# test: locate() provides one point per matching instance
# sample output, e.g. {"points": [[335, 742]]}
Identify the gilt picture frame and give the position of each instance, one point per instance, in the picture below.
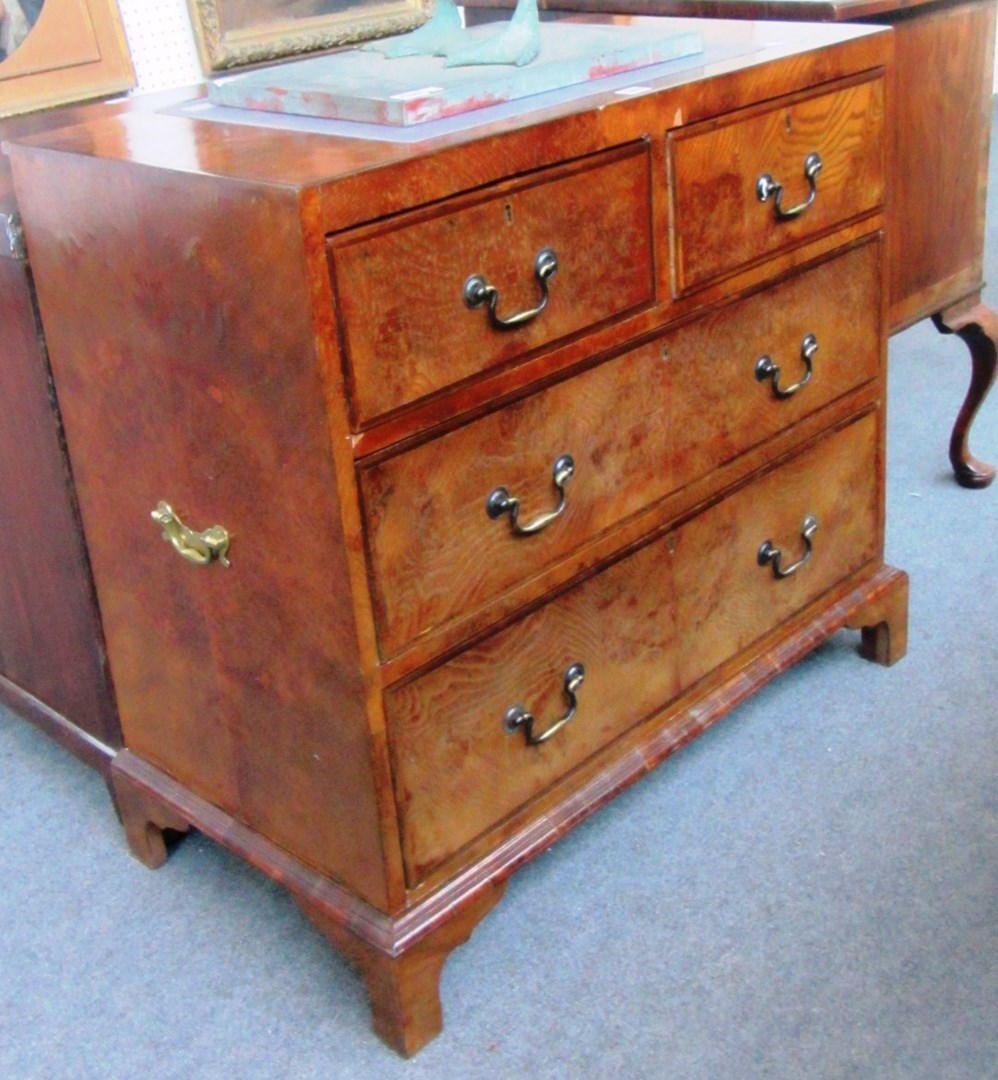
{"points": [[236, 33]]}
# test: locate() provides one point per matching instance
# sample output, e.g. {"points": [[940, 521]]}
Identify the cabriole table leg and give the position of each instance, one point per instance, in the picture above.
{"points": [[977, 327]]}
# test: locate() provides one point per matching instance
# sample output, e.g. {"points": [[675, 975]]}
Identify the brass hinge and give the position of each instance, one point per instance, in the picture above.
{"points": [[13, 237]]}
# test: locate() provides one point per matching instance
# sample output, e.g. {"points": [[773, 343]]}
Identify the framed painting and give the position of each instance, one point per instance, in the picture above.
{"points": [[234, 33], [57, 51]]}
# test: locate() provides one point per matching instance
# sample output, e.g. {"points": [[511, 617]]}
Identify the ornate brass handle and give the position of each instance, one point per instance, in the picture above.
{"points": [[197, 547], [766, 368], [478, 291], [773, 555], [766, 187], [518, 717], [501, 502]]}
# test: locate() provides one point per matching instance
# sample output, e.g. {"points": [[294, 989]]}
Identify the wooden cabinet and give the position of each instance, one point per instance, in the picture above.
{"points": [[53, 664], [477, 578], [52, 661]]}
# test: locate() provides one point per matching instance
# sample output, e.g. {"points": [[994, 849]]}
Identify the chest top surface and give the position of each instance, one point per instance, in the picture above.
{"points": [[741, 62]]}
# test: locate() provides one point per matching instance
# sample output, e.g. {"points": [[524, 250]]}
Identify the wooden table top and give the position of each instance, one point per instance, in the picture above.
{"points": [[790, 10]]}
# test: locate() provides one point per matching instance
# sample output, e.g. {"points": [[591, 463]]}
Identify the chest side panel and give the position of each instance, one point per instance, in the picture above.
{"points": [[182, 347]]}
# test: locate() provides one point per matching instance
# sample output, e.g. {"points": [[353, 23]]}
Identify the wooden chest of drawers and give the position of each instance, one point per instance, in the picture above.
{"points": [[465, 580]]}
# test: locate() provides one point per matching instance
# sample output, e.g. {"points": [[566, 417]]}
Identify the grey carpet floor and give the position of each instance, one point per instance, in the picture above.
{"points": [[808, 891]]}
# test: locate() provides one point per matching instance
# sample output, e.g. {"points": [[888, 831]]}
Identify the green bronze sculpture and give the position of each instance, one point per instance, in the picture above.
{"points": [[518, 42]]}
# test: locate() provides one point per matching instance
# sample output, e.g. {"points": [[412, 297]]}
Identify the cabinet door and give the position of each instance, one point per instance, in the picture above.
{"points": [[50, 638], [76, 50], [939, 156]]}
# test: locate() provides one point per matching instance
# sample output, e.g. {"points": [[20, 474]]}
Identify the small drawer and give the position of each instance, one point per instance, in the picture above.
{"points": [[644, 629], [410, 322], [637, 427], [720, 171]]}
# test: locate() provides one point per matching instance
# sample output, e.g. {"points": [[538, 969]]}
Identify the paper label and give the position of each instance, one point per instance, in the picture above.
{"points": [[409, 95]]}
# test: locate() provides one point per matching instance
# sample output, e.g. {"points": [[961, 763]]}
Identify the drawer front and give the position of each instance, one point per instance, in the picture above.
{"points": [[680, 406], [459, 770], [400, 287], [720, 222], [739, 378], [725, 599], [644, 629]]}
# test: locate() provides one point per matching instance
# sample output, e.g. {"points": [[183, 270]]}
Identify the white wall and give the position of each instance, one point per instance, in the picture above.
{"points": [[161, 42]]}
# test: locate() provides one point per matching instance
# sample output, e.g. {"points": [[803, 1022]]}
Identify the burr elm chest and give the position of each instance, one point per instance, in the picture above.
{"points": [[493, 466]]}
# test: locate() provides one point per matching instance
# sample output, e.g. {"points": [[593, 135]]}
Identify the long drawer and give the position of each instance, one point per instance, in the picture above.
{"points": [[408, 322], [637, 427], [643, 630], [825, 153]]}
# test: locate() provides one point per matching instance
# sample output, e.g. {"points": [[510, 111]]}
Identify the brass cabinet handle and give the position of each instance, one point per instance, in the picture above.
{"points": [[767, 368], [767, 187], [501, 502], [773, 555], [518, 717], [478, 291], [196, 547]]}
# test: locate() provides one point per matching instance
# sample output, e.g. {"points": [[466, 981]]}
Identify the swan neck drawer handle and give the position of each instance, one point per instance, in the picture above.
{"points": [[501, 502], [767, 188], [478, 291], [518, 717], [197, 547], [773, 556], [767, 368]]}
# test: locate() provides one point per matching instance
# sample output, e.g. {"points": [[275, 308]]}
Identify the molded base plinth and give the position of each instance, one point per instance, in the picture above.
{"points": [[400, 956]]}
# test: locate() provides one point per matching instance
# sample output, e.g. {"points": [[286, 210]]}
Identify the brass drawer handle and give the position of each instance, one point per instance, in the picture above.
{"points": [[767, 368], [501, 502], [773, 555], [196, 547], [518, 717], [478, 291], [766, 186]]}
